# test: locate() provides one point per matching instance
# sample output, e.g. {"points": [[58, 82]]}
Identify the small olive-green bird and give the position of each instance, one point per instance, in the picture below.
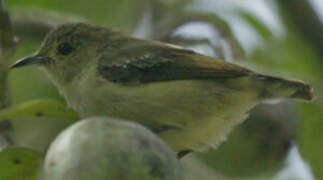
{"points": [[192, 101]]}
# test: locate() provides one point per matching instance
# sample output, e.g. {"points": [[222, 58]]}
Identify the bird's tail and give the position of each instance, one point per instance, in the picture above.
{"points": [[275, 87]]}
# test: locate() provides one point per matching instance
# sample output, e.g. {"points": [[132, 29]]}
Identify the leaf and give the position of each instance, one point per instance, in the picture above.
{"points": [[39, 108], [35, 124], [19, 163]]}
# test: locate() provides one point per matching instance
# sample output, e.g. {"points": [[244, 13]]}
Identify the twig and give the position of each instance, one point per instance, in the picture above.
{"points": [[170, 24], [7, 47]]}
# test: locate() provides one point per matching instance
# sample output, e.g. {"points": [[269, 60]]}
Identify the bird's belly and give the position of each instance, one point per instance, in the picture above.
{"points": [[202, 111]]}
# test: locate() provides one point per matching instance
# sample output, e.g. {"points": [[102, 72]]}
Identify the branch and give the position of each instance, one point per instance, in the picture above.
{"points": [[170, 24], [7, 47]]}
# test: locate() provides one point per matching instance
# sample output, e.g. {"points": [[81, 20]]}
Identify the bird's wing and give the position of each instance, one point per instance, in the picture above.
{"points": [[142, 62]]}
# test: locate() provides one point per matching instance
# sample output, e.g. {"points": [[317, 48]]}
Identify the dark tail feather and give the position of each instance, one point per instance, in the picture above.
{"points": [[276, 87]]}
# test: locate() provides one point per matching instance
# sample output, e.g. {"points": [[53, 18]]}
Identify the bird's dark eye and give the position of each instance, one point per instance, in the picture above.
{"points": [[65, 48]]}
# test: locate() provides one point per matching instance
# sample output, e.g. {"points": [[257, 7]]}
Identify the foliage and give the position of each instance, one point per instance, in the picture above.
{"points": [[310, 137], [19, 163], [35, 123]]}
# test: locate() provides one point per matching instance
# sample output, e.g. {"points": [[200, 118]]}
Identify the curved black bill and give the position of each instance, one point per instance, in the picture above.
{"points": [[29, 60]]}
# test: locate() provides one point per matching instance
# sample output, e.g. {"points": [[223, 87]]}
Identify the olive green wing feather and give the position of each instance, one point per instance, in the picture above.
{"points": [[139, 61], [149, 61]]}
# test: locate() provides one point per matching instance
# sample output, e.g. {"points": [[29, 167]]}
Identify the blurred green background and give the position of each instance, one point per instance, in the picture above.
{"points": [[273, 37]]}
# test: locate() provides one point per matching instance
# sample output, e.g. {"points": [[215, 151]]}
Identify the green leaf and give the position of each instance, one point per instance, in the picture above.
{"points": [[19, 163], [35, 124], [39, 108]]}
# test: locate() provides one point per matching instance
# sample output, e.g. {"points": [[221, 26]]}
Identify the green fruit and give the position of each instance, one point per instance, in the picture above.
{"points": [[103, 148]]}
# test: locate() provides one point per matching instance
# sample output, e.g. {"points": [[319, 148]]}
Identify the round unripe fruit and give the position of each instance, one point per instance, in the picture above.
{"points": [[106, 149]]}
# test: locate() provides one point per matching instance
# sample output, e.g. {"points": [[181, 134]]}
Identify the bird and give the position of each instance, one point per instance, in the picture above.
{"points": [[190, 100]]}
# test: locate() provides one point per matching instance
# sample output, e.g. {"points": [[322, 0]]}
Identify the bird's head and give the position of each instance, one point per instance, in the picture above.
{"points": [[68, 49]]}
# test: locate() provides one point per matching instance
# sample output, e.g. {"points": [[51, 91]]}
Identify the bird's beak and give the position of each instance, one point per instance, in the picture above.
{"points": [[29, 60]]}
